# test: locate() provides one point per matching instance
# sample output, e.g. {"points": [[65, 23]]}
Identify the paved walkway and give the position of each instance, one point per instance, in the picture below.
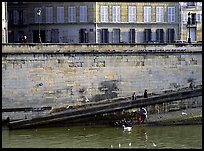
{"points": [[171, 116]]}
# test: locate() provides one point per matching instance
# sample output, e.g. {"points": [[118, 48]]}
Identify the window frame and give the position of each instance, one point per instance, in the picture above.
{"points": [[147, 14], [132, 14], [116, 14], [171, 14], [159, 14], [71, 14]]}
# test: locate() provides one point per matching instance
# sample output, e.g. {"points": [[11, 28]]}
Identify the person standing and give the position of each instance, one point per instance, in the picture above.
{"points": [[145, 93], [134, 96], [143, 114]]}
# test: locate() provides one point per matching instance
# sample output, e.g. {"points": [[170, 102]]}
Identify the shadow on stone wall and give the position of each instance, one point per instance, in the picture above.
{"points": [[108, 88]]}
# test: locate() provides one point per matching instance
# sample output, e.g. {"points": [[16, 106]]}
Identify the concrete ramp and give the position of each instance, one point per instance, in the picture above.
{"points": [[112, 105]]}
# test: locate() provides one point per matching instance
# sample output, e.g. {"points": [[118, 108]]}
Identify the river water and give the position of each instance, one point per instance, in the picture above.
{"points": [[158, 137]]}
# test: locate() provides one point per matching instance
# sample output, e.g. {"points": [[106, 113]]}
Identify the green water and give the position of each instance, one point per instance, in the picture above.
{"points": [[176, 137]]}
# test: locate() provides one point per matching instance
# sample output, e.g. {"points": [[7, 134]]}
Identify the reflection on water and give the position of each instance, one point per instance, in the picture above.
{"points": [[105, 137]]}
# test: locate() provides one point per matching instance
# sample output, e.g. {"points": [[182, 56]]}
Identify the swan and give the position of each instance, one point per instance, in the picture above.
{"points": [[183, 113], [127, 128], [86, 99], [154, 144]]}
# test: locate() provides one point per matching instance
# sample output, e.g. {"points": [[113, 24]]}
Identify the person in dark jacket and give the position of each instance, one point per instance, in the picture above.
{"points": [[134, 96], [145, 93], [143, 114]]}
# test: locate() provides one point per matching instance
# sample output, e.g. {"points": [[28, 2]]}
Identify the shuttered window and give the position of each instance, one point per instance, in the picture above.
{"points": [[171, 14], [147, 35], [159, 14], [116, 13], [147, 14], [60, 14], [83, 13], [49, 15], [170, 35], [116, 35], [160, 35], [104, 36], [104, 13], [72, 14], [132, 36], [131, 14], [38, 18]]}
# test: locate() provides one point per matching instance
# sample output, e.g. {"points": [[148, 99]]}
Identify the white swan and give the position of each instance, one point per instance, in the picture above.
{"points": [[183, 113], [154, 144], [86, 99], [128, 129]]}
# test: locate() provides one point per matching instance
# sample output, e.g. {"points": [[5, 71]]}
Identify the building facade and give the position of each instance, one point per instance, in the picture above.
{"points": [[4, 23], [95, 22], [192, 12]]}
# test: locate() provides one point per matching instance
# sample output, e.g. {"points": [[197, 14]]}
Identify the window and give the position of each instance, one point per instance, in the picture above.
{"points": [[20, 17], [171, 14], [16, 17], [104, 13], [132, 36], [49, 15], [116, 35], [147, 14], [72, 14], [38, 19], [190, 3], [60, 14], [159, 14], [193, 18], [185, 18], [199, 17], [147, 35], [131, 14], [160, 35], [104, 36], [170, 35], [83, 13], [116, 13], [10, 19]]}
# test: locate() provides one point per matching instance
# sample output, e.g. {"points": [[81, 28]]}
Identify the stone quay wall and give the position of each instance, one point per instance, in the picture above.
{"points": [[36, 75]]}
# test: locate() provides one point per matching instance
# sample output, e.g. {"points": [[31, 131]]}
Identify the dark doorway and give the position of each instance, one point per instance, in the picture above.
{"points": [[147, 35], [170, 35], [132, 36], [104, 35], [160, 35], [36, 36], [83, 36]]}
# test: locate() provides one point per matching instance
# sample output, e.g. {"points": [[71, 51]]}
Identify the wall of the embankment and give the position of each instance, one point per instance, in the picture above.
{"points": [[35, 75]]}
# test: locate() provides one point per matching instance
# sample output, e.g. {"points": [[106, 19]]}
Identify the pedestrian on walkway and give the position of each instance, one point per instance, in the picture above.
{"points": [[145, 93], [134, 96]]}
